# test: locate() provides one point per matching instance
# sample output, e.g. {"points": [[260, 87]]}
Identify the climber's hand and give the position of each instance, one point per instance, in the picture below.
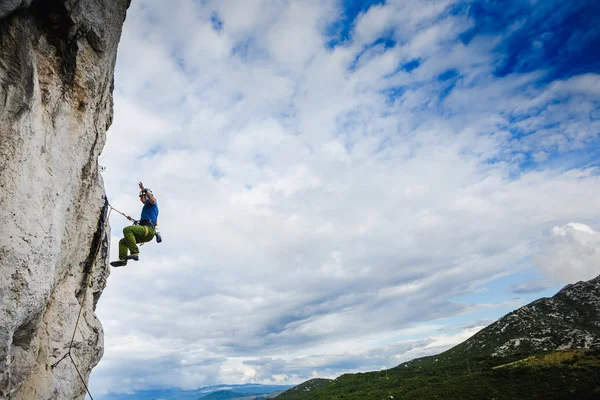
{"points": [[141, 186]]}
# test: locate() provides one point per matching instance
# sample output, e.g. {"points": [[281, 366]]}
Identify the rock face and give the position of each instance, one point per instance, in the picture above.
{"points": [[57, 60]]}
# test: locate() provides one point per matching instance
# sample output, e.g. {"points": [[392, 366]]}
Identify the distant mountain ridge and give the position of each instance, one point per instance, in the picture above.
{"points": [[229, 394], [221, 395], [568, 320], [247, 391], [533, 352]]}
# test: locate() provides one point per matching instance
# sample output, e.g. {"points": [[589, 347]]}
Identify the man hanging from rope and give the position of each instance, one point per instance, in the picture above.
{"points": [[141, 231]]}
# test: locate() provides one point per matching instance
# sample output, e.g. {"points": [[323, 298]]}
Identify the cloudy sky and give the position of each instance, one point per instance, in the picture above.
{"points": [[343, 185]]}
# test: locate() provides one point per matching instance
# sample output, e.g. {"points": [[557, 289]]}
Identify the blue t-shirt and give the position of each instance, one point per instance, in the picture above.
{"points": [[150, 212]]}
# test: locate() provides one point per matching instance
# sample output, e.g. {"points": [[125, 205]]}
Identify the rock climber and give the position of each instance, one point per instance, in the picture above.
{"points": [[141, 231]]}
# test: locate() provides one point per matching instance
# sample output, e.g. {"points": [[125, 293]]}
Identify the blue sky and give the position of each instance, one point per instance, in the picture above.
{"points": [[343, 186]]}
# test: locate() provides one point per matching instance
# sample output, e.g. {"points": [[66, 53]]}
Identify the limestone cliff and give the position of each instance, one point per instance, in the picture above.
{"points": [[57, 60]]}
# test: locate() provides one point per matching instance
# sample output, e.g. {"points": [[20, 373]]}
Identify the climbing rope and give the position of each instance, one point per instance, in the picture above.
{"points": [[89, 277], [135, 221], [125, 215]]}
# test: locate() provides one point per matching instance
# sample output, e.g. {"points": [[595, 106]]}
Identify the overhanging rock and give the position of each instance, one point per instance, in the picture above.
{"points": [[57, 60]]}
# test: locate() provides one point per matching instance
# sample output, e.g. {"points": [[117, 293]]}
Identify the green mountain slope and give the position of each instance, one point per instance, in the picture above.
{"points": [[578, 381], [527, 354], [297, 392]]}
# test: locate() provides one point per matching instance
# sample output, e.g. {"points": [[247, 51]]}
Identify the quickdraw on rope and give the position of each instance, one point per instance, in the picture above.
{"points": [[92, 262]]}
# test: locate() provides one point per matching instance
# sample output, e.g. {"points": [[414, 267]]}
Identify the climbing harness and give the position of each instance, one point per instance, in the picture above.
{"points": [[141, 222], [92, 262]]}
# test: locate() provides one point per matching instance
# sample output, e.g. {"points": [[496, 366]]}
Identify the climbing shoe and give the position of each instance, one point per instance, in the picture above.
{"points": [[120, 263], [133, 256]]}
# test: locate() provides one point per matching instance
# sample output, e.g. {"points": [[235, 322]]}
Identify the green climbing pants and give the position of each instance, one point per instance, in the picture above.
{"points": [[133, 235]]}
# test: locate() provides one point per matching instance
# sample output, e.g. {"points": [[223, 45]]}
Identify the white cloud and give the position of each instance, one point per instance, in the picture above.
{"points": [[570, 253], [303, 208]]}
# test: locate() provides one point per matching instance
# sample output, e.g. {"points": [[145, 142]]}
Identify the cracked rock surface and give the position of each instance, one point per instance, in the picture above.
{"points": [[57, 61]]}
